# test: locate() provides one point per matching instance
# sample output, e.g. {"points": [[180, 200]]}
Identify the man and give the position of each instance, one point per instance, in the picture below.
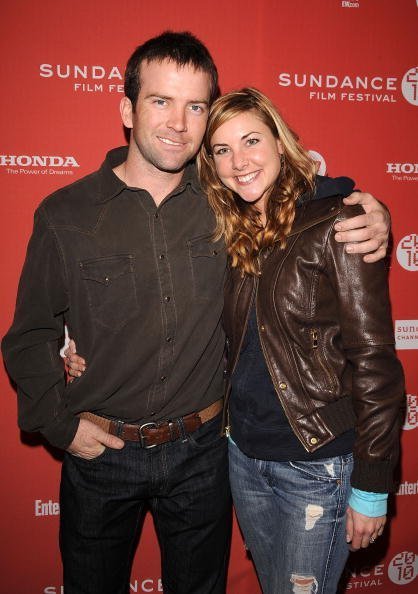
{"points": [[125, 258]]}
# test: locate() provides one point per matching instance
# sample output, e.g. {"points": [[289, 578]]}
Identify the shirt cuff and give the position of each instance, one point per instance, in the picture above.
{"points": [[368, 503]]}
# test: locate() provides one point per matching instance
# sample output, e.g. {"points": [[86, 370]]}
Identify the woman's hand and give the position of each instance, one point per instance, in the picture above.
{"points": [[76, 365], [368, 233], [362, 530]]}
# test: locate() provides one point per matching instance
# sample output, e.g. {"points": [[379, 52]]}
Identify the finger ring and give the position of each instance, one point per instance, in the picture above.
{"points": [[372, 540]]}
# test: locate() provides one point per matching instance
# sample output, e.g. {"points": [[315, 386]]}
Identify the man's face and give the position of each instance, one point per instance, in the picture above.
{"points": [[170, 114]]}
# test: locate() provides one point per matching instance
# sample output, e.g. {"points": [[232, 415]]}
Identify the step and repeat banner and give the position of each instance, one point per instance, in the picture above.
{"points": [[344, 75]]}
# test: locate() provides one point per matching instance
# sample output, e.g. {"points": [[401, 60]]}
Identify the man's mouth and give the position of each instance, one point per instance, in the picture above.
{"points": [[248, 178], [170, 142]]}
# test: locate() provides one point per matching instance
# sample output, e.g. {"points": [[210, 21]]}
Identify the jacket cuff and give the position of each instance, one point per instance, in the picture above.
{"points": [[62, 432], [373, 476]]}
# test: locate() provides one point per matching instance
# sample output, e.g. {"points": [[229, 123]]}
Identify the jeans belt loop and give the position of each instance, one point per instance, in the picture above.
{"points": [[182, 430]]}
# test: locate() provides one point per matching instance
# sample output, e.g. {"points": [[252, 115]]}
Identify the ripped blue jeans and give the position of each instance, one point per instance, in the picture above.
{"points": [[292, 515]]}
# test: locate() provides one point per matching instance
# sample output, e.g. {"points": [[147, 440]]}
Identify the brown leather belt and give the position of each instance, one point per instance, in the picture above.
{"points": [[153, 434]]}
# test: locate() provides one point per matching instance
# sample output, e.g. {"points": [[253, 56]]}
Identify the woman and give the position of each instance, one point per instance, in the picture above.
{"points": [[313, 379], [314, 384]]}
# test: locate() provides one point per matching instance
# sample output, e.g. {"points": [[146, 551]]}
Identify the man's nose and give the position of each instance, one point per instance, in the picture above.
{"points": [[177, 120]]}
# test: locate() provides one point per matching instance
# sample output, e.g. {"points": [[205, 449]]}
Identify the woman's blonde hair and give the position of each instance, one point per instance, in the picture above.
{"points": [[237, 220]]}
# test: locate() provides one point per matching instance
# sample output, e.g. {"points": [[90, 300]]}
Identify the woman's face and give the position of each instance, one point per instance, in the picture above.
{"points": [[247, 157]]}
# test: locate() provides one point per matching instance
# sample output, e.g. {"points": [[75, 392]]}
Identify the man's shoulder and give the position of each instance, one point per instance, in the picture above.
{"points": [[76, 201]]}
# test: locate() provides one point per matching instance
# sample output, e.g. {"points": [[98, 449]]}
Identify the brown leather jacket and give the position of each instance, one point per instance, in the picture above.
{"points": [[326, 332]]}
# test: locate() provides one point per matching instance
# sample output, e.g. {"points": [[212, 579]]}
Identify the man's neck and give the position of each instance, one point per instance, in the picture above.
{"points": [[137, 173]]}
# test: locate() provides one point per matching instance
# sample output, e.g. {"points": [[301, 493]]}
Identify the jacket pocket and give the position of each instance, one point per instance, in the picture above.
{"points": [[323, 371], [111, 290], [208, 262]]}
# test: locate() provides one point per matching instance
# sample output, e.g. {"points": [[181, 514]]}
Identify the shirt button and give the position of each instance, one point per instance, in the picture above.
{"points": [[161, 256], [313, 440], [168, 339], [156, 215], [163, 378], [262, 328], [167, 298], [283, 386]]}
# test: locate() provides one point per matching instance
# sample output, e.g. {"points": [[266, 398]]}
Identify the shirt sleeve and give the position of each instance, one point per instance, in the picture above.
{"points": [[367, 503], [31, 346]]}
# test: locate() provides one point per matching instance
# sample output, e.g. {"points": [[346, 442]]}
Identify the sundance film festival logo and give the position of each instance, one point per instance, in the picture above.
{"points": [[407, 252], [353, 88], [320, 162], [406, 334], [410, 86], [411, 416], [38, 164], [85, 78], [403, 568], [136, 586]]}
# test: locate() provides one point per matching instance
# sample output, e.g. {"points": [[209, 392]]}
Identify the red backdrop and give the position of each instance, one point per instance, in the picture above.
{"points": [[344, 74]]}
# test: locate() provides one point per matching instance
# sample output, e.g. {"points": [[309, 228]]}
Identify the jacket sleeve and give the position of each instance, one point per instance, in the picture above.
{"points": [[377, 376], [31, 346]]}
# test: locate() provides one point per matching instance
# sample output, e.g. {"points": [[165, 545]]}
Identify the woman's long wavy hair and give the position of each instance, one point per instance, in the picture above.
{"points": [[237, 220]]}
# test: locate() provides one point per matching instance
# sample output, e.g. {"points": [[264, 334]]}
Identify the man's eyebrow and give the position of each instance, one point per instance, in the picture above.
{"points": [[168, 98]]}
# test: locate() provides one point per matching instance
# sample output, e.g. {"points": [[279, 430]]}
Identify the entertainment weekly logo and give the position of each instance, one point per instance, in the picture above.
{"points": [[407, 252], [406, 334], [38, 165], [354, 88], [85, 78], [402, 569], [46, 508], [137, 586]]}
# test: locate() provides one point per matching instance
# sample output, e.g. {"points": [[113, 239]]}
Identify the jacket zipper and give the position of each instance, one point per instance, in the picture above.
{"points": [[315, 347]]}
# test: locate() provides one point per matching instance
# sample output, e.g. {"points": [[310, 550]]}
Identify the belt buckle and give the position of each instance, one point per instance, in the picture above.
{"points": [[142, 438]]}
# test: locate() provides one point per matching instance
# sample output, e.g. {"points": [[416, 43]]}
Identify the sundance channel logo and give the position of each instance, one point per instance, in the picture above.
{"points": [[407, 252], [411, 416], [85, 78], [403, 568], [353, 88], [38, 165], [406, 334]]}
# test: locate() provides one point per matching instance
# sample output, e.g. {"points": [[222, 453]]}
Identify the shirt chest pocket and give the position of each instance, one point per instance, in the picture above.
{"points": [[111, 290], [208, 263]]}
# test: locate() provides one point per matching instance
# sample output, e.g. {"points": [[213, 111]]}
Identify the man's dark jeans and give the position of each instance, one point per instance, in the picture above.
{"points": [[184, 483]]}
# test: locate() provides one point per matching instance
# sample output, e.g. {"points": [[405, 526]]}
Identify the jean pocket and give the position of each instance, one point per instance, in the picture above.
{"points": [[89, 461], [208, 263], [328, 470], [111, 289], [209, 434]]}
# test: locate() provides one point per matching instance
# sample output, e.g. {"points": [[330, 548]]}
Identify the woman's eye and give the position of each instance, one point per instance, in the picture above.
{"points": [[252, 141]]}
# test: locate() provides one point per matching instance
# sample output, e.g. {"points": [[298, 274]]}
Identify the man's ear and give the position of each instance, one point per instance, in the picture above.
{"points": [[126, 112]]}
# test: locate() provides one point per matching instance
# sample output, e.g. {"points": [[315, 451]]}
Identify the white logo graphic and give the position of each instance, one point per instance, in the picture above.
{"points": [[46, 508], [403, 171], [406, 488], [38, 164], [347, 4], [410, 86], [91, 74], [320, 161], [403, 568], [407, 252], [411, 417], [406, 334]]}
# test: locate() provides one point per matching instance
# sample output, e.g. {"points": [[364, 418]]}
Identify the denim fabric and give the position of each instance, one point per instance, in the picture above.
{"points": [[184, 483], [292, 515]]}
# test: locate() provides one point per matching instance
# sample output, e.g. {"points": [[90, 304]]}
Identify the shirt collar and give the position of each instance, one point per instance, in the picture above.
{"points": [[111, 186]]}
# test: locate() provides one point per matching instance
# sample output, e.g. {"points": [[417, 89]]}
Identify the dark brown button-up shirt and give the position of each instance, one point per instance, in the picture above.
{"points": [[140, 288]]}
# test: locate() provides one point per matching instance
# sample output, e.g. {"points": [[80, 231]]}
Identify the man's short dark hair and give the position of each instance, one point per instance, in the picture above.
{"points": [[183, 48]]}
